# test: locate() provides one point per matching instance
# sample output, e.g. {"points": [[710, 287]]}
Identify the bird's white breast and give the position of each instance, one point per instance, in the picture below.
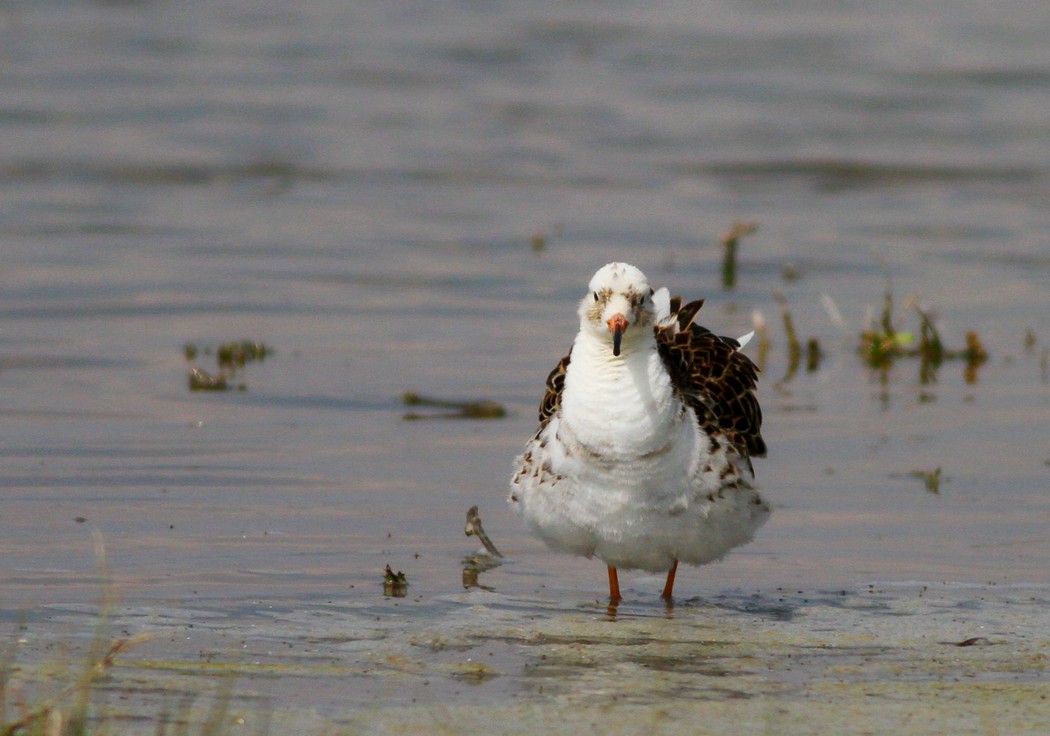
{"points": [[622, 422]]}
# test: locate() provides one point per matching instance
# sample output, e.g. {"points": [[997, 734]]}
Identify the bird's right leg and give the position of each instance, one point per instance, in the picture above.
{"points": [[614, 585]]}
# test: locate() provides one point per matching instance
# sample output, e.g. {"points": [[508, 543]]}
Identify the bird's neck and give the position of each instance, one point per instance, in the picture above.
{"points": [[618, 405]]}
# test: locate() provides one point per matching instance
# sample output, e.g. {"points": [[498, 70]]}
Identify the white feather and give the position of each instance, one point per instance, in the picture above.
{"points": [[662, 304]]}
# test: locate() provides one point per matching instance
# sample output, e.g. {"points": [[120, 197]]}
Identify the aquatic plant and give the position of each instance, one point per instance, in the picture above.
{"points": [[730, 241], [930, 478], [475, 409], [794, 345], [230, 358], [883, 344], [395, 584], [68, 710]]}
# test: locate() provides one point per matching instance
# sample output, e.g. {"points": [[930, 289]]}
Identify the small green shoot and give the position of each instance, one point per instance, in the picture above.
{"points": [[730, 241], [395, 584], [794, 346]]}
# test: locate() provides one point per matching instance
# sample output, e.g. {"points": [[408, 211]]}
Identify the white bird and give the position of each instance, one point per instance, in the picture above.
{"points": [[647, 430]]}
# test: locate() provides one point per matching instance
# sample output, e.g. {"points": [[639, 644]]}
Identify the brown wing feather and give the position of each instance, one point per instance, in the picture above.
{"points": [[716, 380], [555, 385]]}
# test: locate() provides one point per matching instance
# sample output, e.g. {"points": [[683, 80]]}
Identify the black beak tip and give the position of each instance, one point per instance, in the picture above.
{"points": [[617, 337]]}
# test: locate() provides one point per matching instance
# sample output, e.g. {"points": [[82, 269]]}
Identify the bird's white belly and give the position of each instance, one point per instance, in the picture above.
{"points": [[642, 512]]}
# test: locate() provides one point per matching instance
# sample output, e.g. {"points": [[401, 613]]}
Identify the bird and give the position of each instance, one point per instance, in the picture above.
{"points": [[647, 430]]}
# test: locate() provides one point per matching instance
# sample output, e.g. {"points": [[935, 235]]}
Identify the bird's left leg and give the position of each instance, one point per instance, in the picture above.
{"points": [[669, 585]]}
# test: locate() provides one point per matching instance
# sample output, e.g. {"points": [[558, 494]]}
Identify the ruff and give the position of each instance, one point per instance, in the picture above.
{"points": [[642, 456]]}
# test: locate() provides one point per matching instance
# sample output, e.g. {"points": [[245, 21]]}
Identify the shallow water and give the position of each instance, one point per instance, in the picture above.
{"points": [[364, 186]]}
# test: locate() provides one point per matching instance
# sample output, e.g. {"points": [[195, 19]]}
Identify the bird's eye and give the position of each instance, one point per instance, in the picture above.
{"points": [[596, 296]]}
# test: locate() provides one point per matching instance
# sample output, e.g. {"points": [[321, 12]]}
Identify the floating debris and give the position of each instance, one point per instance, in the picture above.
{"points": [[230, 357], [237, 354], [973, 641], [473, 529], [730, 241], [480, 409], [539, 242], [395, 584], [930, 478], [200, 380]]}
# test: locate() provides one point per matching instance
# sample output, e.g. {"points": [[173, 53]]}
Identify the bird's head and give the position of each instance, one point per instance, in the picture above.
{"points": [[618, 307]]}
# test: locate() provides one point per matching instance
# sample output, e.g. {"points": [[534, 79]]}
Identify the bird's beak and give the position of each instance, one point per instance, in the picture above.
{"points": [[617, 324]]}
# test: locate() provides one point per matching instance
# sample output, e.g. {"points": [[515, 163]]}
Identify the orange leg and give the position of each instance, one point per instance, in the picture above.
{"points": [[669, 585], [614, 585]]}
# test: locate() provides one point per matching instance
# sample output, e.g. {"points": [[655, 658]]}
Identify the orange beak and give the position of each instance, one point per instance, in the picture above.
{"points": [[617, 324]]}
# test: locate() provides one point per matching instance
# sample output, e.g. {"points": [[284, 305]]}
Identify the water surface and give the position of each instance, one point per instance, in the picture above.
{"points": [[364, 186]]}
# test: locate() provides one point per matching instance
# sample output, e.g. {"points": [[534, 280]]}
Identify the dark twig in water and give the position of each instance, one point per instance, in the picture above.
{"points": [[473, 529], [480, 409], [973, 641]]}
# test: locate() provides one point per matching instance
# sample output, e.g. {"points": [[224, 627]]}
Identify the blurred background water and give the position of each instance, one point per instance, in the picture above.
{"points": [[413, 195]]}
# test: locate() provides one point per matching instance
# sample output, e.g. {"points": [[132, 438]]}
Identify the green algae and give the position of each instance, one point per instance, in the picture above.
{"points": [[231, 359]]}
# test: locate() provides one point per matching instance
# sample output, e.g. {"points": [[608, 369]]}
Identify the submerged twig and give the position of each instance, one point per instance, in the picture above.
{"points": [[476, 564], [473, 529], [479, 409]]}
